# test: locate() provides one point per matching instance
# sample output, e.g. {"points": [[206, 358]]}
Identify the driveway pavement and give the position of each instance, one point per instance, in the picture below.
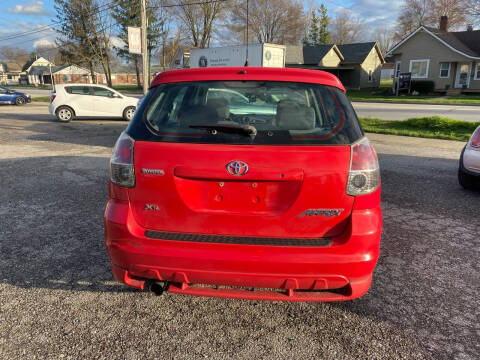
{"points": [[406, 111], [58, 299]]}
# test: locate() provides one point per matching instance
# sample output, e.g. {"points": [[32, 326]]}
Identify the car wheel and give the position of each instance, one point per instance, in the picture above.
{"points": [[128, 113], [64, 114], [20, 101], [465, 180]]}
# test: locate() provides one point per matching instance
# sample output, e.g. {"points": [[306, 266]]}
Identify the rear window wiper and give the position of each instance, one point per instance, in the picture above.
{"points": [[248, 130]]}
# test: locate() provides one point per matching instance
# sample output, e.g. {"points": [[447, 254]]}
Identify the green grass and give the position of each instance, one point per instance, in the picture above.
{"points": [[434, 127], [462, 99], [128, 88], [30, 86], [41, 98], [382, 95], [386, 83]]}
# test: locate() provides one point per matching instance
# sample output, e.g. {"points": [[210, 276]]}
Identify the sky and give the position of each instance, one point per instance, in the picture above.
{"points": [[25, 23]]}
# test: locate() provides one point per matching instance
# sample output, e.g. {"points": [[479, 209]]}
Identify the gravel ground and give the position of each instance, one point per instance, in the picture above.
{"points": [[58, 299]]}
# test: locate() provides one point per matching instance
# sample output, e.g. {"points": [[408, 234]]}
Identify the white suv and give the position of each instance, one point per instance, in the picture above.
{"points": [[76, 100]]}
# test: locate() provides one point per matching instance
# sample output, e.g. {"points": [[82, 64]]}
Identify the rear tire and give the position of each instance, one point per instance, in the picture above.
{"points": [[20, 101], [64, 114], [128, 113], [465, 180]]}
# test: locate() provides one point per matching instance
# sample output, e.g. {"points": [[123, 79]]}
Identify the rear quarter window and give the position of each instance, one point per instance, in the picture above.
{"points": [[282, 113]]}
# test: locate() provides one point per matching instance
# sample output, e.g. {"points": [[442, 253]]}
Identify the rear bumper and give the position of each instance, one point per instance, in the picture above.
{"points": [[341, 271], [470, 162]]}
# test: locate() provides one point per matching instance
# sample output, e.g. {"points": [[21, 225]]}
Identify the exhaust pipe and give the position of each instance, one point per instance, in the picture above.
{"points": [[158, 287]]}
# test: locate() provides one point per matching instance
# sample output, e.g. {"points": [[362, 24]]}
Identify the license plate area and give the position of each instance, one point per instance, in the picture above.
{"points": [[238, 196]]}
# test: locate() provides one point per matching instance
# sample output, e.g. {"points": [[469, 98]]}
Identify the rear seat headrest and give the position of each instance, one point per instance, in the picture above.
{"points": [[196, 115], [294, 116], [221, 107]]}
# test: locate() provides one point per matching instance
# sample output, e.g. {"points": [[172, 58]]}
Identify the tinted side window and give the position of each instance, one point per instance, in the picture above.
{"points": [[98, 91], [78, 90]]}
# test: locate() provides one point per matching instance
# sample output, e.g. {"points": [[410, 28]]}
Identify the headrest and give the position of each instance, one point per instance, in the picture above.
{"points": [[294, 116], [220, 106], [196, 115]]}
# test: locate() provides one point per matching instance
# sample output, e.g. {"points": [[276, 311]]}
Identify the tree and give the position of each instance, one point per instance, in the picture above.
{"points": [[385, 38], [318, 33], [312, 37], [455, 10], [85, 26], [473, 11], [270, 21], [49, 52], [346, 28], [415, 13], [14, 54], [127, 14], [75, 25], [198, 19], [324, 34]]}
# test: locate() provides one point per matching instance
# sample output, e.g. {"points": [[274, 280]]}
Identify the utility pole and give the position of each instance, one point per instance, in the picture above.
{"points": [[146, 79]]}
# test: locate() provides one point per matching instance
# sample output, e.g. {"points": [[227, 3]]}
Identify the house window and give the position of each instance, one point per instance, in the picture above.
{"points": [[444, 69], [477, 72], [419, 68], [397, 68], [370, 75]]}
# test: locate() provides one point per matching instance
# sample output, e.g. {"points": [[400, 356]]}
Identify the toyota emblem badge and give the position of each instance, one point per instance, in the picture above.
{"points": [[237, 168]]}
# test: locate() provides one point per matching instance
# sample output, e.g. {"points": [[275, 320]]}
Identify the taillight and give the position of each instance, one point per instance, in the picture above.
{"points": [[364, 175], [122, 170], [475, 140], [52, 97]]}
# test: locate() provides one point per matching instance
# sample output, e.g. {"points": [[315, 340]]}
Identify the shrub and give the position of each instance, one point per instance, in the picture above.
{"points": [[422, 86]]}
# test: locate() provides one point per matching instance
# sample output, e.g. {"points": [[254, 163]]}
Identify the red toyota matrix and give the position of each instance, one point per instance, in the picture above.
{"points": [[249, 183]]}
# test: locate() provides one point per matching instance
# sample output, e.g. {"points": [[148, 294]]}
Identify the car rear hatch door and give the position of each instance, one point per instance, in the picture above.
{"points": [[241, 190]]}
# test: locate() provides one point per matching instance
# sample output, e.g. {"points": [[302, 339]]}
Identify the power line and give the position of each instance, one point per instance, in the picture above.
{"points": [[187, 4], [106, 6], [98, 9], [58, 46]]}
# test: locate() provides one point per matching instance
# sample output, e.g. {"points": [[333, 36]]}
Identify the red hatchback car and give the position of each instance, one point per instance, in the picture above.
{"points": [[250, 183]]}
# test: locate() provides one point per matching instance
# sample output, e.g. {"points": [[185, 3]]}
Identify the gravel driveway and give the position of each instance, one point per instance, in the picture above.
{"points": [[58, 299]]}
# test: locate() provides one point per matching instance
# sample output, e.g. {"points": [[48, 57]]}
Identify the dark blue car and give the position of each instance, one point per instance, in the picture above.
{"points": [[8, 96]]}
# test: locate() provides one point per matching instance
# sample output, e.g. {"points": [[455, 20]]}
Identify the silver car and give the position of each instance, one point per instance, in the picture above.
{"points": [[469, 167]]}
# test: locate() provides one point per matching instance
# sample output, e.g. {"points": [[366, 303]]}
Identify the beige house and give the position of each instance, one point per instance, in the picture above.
{"points": [[9, 73], [450, 59], [357, 65]]}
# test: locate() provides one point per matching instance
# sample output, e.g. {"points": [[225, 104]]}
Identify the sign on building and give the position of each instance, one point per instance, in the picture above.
{"points": [[134, 40]]}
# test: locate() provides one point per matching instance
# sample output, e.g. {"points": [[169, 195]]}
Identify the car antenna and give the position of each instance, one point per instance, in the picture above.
{"points": [[246, 61]]}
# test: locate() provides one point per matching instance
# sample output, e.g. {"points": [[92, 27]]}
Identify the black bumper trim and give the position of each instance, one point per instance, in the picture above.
{"points": [[239, 240]]}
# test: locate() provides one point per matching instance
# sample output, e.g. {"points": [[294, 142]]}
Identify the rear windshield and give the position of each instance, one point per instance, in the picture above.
{"points": [[247, 112]]}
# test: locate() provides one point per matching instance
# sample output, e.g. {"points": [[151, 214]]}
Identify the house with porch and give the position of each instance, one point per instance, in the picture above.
{"points": [[37, 71], [450, 59], [357, 65], [10, 73]]}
